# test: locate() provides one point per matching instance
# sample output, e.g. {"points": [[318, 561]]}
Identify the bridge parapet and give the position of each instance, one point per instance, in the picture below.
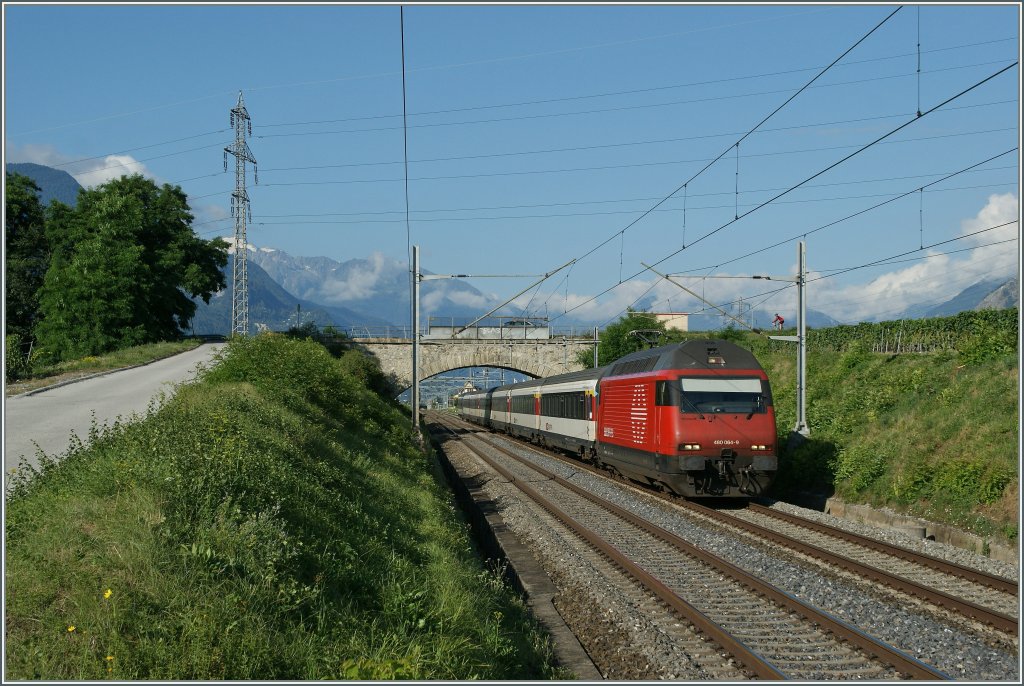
{"points": [[536, 358]]}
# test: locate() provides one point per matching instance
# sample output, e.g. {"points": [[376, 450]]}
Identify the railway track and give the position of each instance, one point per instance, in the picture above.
{"points": [[770, 633], [988, 599], [991, 600]]}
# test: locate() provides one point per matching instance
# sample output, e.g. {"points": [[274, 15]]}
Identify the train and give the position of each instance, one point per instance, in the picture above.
{"points": [[694, 418]]}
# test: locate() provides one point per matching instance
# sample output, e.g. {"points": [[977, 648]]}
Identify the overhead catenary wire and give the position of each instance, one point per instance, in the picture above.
{"points": [[757, 126], [965, 277], [815, 175], [893, 259], [965, 236], [860, 212], [804, 235], [696, 226]]}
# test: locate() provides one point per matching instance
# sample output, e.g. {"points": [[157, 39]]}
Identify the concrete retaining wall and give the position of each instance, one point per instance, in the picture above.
{"points": [[937, 532]]}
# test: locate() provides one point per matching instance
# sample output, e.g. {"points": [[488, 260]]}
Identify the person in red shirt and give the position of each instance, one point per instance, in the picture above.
{"points": [[778, 321]]}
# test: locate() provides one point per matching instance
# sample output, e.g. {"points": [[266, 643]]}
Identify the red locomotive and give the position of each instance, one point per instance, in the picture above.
{"points": [[695, 418]]}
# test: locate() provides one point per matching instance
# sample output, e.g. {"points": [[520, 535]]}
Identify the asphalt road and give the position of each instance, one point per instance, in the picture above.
{"points": [[49, 418]]}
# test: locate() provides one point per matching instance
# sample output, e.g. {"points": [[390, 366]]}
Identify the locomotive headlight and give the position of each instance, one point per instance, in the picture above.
{"points": [[689, 446], [759, 447]]}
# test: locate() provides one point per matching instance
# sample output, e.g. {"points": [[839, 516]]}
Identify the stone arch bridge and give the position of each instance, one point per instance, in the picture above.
{"points": [[536, 358]]}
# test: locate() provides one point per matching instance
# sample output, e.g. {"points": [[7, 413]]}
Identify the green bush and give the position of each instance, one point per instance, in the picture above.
{"points": [[15, 361], [895, 430]]}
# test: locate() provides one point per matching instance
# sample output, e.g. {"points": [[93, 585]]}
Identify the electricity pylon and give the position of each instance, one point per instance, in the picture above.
{"points": [[241, 212]]}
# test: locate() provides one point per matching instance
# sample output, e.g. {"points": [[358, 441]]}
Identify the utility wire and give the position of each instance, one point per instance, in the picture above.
{"points": [[368, 76], [623, 108], [759, 124], [892, 260], [519, 118], [619, 200], [817, 174], [608, 213], [766, 295], [859, 212], [141, 147], [910, 252], [636, 165], [634, 91], [889, 260], [149, 159], [602, 146]]}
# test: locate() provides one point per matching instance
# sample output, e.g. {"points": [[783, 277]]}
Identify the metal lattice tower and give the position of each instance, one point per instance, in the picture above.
{"points": [[241, 212]]}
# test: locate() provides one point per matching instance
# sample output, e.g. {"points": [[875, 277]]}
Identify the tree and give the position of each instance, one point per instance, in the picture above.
{"points": [[616, 340], [26, 254], [125, 265]]}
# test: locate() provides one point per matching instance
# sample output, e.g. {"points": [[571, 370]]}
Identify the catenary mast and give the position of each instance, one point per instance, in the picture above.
{"points": [[241, 212]]}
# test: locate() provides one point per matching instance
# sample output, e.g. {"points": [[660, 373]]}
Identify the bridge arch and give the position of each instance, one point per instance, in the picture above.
{"points": [[533, 358]]}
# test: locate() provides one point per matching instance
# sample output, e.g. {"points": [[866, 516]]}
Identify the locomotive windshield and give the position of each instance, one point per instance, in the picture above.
{"points": [[718, 394]]}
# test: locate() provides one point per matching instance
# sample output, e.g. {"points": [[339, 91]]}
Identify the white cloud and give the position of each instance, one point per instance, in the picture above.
{"points": [[926, 281], [936, 279], [467, 298], [1000, 209], [88, 173], [362, 281], [96, 172]]}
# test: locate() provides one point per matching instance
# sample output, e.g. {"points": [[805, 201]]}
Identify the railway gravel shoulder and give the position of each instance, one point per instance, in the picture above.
{"points": [[518, 564], [956, 649]]}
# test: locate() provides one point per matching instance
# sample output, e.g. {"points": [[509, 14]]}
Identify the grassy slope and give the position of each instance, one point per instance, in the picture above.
{"points": [[271, 522], [933, 435]]}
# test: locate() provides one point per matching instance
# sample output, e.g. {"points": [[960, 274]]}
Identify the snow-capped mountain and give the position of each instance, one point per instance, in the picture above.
{"points": [[377, 287]]}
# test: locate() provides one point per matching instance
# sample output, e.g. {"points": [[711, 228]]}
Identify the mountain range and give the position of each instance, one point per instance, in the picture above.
{"points": [[377, 285], [380, 285], [270, 307], [54, 184]]}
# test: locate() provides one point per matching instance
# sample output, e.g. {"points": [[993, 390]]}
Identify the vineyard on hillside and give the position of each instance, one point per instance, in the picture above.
{"points": [[974, 334]]}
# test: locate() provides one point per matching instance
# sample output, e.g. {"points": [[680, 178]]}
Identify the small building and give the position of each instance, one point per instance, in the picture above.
{"points": [[673, 321]]}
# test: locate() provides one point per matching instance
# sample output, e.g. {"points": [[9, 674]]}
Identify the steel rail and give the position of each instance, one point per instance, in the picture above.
{"points": [[997, 583], [992, 618], [998, 620], [756, 665], [898, 660]]}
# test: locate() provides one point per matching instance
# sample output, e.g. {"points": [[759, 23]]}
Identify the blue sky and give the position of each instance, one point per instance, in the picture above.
{"points": [[538, 133]]}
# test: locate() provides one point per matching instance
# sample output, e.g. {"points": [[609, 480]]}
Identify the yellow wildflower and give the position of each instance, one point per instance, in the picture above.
{"points": [[107, 593], [109, 658], [71, 628]]}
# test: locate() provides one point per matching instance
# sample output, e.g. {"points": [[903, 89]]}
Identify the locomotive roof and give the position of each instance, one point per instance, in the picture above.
{"points": [[692, 354]]}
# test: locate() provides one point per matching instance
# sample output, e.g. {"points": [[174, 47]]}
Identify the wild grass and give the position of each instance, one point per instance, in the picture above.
{"points": [[273, 521], [928, 434]]}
